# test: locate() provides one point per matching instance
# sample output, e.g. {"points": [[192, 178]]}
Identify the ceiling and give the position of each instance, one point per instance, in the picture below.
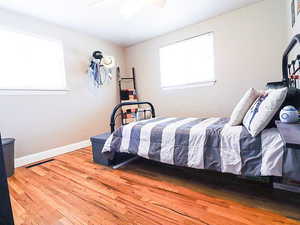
{"points": [[105, 21]]}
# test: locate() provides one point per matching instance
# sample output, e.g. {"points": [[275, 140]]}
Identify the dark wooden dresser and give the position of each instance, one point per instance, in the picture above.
{"points": [[290, 132], [291, 162]]}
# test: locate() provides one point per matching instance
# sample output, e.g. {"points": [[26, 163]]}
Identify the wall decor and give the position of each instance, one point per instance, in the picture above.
{"points": [[293, 13], [100, 69]]}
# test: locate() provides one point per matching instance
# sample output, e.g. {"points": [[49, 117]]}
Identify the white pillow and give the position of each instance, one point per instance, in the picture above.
{"points": [[243, 106], [263, 110]]}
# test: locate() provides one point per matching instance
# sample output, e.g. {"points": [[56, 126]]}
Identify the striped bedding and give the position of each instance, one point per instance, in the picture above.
{"points": [[202, 144]]}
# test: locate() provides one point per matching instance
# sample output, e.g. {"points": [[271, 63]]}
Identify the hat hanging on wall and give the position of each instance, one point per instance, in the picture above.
{"points": [[108, 62], [97, 55], [100, 69]]}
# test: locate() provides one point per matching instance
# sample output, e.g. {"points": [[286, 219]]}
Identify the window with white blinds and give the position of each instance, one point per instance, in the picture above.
{"points": [[29, 62], [189, 62]]}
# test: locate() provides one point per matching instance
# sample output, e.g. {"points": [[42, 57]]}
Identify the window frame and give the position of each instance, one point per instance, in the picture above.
{"points": [[207, 83], [36, 91]]}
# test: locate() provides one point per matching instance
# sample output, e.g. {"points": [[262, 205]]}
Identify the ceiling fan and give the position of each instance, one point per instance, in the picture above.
{"points": [[129, 8]]}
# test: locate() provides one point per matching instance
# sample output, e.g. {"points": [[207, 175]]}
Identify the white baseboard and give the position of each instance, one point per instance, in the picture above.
{"points": [[22, 161]]}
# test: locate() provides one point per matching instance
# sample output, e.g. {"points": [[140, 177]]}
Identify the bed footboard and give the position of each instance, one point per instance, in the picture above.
{"points": [[115, 113]]}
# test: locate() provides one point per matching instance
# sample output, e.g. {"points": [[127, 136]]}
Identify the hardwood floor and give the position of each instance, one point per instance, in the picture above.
{"points": [[73, 190]]}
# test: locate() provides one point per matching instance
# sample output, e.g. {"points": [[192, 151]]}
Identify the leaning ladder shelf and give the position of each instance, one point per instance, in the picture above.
{"points": [[128, 113]]}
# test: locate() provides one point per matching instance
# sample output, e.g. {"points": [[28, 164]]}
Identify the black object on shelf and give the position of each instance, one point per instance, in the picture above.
{"points": [[6, 215], [9, 155]]}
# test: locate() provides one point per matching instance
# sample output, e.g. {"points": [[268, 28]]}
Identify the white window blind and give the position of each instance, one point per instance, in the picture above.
{"points": [[189, 62], [29, 62]]}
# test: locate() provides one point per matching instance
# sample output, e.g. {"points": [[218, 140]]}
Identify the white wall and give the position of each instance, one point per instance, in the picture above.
{"points": [[249, 43], [42, 122]]}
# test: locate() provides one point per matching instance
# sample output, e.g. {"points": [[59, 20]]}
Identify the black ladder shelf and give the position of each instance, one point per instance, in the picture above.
{"points": [[128, 113], [120, 79]]}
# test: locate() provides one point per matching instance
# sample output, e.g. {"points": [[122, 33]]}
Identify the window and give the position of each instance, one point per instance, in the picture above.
{"points": [[29, 62], [189, 62]]}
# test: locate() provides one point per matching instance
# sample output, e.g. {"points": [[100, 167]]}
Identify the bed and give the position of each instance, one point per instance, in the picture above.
{"points": [[201, 144], [210, 143]]}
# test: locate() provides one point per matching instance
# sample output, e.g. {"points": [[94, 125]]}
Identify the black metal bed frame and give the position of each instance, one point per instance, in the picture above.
{"points": [[115, 114], [290, 70], [289, 74]]}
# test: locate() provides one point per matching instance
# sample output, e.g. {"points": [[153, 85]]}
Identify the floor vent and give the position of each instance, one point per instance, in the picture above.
{"points": [[39, 163]]}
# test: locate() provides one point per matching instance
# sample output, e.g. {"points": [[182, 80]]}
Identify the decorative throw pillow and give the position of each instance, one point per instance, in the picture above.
{"points": [[263, 110], [243, 106]]}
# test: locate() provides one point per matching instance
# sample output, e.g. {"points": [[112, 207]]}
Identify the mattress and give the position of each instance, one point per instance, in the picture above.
{"points": [[202, 144]]}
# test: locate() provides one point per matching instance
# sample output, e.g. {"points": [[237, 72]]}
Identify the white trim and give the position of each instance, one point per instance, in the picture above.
{"points": [[188, 38], [22, 161], [193, 85]]}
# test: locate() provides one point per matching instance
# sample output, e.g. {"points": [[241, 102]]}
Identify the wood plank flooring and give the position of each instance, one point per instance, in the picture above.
{"points": [[73, 190]]}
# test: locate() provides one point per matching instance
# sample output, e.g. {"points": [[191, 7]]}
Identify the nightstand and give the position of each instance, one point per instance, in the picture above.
{"points": [[290, 133]]}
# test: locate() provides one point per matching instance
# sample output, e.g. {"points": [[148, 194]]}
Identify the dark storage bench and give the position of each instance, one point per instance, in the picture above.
{"points": [[97, 145]]}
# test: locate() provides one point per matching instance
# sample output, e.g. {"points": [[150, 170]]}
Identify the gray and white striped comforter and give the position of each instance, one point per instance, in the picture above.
{"points": [[202, 144]]}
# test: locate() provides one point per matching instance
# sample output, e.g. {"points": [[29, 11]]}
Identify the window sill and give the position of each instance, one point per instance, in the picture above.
{"points": [[200, 84], [32, 92]]}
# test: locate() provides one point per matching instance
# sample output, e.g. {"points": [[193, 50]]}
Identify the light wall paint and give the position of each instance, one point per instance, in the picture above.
{"points": [[43, 122], [249, 43]]}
